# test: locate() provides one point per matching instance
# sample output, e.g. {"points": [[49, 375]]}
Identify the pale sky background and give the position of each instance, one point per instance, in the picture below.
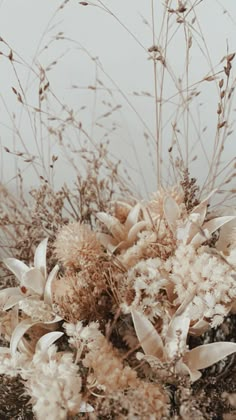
{"points": [[121, 63]]}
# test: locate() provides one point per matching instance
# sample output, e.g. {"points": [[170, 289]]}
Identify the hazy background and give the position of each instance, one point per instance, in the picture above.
{"points": [[92, 45]]}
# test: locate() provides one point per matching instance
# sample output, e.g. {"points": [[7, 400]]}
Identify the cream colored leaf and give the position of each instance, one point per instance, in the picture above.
{"points": [[133, 216], [199, 328], [206, 355], [12, 301], [48, 287], [34, 281], [171, 211], [210, 227], [149, 338], [17, 267], [40, 257], [85, 407], [6, 294], [176, 336], [107, 241], [132, 235], [19, 332], [47, 340]]}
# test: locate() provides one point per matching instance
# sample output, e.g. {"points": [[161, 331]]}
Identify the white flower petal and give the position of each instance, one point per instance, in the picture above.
{"points": [[132, 216], [48, 286], [19, 332], [85, 408], [5, 294], [171, 211], [34, 280], [4, 350], [132, 235], [40, 257], [199, 328], [17, 267], [12, 301], [206, 355], [107, 241], [183, 369], [149, 338], [47, 340], [177, 333], [201, 208], [210, 227]]}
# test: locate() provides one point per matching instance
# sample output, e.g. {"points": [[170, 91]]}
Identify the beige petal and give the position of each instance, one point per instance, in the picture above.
{"points": [[40, 257], [171, 211], [133, 216], [210, 227], [206, 355], [132, 236], [149, 338], [177, 333]]}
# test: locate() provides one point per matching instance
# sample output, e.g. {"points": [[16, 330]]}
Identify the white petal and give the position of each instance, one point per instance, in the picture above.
{"points": [[135, 230], [202, 207], [34, 280], [148, 337], [183, 232], [47, 340], [210, 227], [5, 294], [17, 267], [183, 369], [107, 241], [107, 219], [206, 355], [4, 350], [199, 328], [85, 407], [227, 236], [19, 332], [171, 211], [177, 333], [24, 346], [132, 216], [48, 286], [40, 257], [12, 301]]}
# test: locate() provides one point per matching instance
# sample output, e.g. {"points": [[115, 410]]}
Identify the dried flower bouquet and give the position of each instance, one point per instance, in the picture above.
{"points": [[108, 331]]}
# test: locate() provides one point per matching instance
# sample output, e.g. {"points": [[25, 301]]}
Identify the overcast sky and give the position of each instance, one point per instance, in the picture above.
{"points": [[114, 50]]}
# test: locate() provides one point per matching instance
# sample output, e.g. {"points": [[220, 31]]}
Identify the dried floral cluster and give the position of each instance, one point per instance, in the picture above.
{"points": [[122, 303]]}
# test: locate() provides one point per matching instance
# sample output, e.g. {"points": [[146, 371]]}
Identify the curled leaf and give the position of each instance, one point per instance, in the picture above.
{"points": [[47, 340], [17, 267]]}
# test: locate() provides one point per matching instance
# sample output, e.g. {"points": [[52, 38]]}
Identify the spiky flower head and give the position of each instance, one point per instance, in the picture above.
{"points": [[76, 246]]}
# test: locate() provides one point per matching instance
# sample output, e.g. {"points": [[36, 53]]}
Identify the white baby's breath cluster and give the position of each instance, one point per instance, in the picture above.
{"points": [[146, 277]]}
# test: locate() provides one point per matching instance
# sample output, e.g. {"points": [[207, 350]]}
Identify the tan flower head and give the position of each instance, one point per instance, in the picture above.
{"points": [[76, 246]]}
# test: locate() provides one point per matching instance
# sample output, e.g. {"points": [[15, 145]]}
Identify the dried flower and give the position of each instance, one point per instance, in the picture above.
{"points": [[77, 247]]}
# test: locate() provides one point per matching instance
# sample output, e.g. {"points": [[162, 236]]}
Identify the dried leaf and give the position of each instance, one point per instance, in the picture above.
{"points": [[47, 340], [171, 211], [149, 338], [48, 286], [19, 332], [206, 355], [40, 257], [17, 267]]}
